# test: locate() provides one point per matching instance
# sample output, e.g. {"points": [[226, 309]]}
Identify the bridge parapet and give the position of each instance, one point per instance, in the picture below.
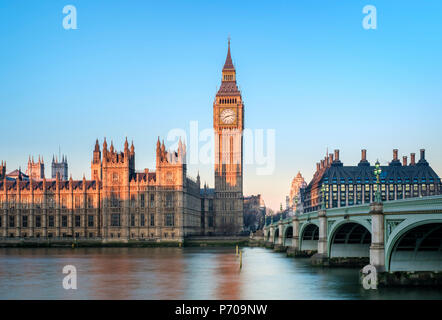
{"points": [[379, 228]]}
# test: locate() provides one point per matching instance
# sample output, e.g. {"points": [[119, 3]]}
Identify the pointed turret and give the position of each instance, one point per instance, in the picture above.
{"points": [[97, 146], [228, 65], [126, 145], [228, 83]]}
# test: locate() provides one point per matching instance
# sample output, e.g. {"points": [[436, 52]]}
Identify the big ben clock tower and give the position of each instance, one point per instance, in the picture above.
{"points": [[228, 123]]}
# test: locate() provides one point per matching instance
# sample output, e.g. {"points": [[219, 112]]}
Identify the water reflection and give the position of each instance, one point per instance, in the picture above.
{"points": [[180, 273]]}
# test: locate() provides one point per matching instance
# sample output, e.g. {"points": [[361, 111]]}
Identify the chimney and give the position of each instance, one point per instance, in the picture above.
{"points": [[331, 157], [412, 159], [363, 155], [337, 155], [422, 154], [317, 166], [395, 154], [322, 164], [404, 160]]}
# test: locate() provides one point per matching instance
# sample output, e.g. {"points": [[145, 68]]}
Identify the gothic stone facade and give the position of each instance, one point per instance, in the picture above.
{"points": [[228, 124], [117, 204]]}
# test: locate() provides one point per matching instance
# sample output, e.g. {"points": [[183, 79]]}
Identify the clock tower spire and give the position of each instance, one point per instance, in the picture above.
{"points": [[228, 123]]}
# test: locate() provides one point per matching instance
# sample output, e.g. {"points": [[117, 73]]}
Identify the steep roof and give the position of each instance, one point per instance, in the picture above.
{"points": [[228, 87], [228, 65], [392, 174]]}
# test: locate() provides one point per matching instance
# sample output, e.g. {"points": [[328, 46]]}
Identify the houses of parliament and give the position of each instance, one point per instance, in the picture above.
{"points": [[120, 203]]}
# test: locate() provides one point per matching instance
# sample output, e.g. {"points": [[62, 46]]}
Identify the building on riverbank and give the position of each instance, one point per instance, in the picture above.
{"points": [[353, 185], [120, 203]]}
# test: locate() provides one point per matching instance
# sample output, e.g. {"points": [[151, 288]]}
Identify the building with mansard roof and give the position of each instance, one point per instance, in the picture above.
{"points": [[352, 185]]}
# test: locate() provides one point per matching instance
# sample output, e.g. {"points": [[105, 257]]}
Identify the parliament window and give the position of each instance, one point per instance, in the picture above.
{"points": [[142, 200], [152, 200], [64, 221], [169, 220], [142, 220], [37, 221], [51, 221], [132, 220], [152, 220], [115, 220], [24, 221], [90, 220], [78, 221], [114, 201], [169, 200]]}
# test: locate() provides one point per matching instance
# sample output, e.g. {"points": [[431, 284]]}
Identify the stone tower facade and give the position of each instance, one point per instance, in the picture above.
{"points": [[36, 170], [149, 205], [2, 170], [298, 183], [60, 167], [228, 124]]}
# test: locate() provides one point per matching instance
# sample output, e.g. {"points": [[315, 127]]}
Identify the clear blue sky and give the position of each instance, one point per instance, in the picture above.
{"points": [[141, 68]]}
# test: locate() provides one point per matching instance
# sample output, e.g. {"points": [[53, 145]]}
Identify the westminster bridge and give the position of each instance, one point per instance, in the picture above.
{"points": [[401, 235]]}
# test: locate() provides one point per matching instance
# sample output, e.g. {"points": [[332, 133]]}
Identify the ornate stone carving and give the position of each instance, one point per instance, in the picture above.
{"points": [[391, 225]]}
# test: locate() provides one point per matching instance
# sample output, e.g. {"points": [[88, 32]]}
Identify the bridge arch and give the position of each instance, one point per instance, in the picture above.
{"points": [[309, 236], [268, 235], [288, 236], [276, 235], [349, 239], [417, 246]]}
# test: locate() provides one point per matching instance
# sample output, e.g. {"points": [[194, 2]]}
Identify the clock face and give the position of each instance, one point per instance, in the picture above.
{"points": [[227, 116]]}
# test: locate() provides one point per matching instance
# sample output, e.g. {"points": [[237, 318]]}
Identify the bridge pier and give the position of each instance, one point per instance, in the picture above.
{"points": [[377, 248], [295, 239], [280, 233], [269, 242], [294, 249], [279, 245], [321, 258]]}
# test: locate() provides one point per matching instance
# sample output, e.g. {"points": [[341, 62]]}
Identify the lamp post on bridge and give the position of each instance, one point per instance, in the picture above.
{"points": [[377, 173], [377, 249]]}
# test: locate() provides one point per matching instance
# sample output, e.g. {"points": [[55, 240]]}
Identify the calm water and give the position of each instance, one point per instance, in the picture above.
{"points": [[180, 273]]}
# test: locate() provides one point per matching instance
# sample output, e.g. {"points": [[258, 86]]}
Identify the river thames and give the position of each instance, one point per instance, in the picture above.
{"points": [[181, 273]]}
